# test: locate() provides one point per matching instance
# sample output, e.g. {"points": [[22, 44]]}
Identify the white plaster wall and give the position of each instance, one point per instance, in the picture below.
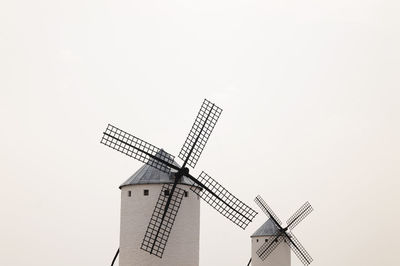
{"points": [[279, 257], [183, 244]]}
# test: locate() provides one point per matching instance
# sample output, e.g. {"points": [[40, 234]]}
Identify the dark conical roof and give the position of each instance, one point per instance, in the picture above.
{"points": [[150, 175], [269, 228]]}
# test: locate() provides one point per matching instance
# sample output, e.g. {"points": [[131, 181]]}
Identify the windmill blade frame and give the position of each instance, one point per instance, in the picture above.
{"points": [[299, 215], [298, 249], [162, 220], [138, 149], [197, 138], [223, 201], [267, 210]]}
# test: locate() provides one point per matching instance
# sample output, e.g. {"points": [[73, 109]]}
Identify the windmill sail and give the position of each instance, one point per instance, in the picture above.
{"points": [[136, 148], [299, 215], [162, 220], [224, 202], [298, 249], [199, 133], [266, 209]]}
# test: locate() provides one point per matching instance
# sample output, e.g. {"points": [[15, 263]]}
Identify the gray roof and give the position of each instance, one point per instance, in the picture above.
{"points": [[269, 228], [150, 175]]}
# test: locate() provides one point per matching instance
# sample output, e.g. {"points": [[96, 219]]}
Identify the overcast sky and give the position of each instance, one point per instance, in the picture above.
{"points": [[310, 92]]}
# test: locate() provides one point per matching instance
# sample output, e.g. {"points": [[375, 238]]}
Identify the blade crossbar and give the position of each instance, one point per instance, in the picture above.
{"points": [[298, 249], [267, 210], [198, 137], [161, 222], [139, 149], [266, 249], [171, 193], [199, 133], [196, 190], [223, 201], [299, 215]]}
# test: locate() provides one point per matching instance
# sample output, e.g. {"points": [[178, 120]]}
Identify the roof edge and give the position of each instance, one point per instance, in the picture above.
{"points": [[155, 183]]}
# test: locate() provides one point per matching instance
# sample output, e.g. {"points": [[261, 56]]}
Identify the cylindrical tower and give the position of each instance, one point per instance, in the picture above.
{"points": [[266, 233], [139, 195]]}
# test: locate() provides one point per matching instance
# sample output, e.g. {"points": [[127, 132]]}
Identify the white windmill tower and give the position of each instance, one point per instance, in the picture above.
{"points": [[139, 195], [266, 241], [152, 197], [266, 234]]}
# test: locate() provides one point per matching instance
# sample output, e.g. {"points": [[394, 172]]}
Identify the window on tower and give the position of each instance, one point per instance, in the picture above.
{"points": [[129, 193], [186, 194], [146, 192]]}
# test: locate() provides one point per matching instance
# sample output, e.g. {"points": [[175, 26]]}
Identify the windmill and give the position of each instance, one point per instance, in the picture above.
{"points": [[273, 227], [168, 204]]}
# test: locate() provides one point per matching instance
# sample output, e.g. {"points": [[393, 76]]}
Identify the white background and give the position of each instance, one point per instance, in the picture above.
{"points": [[310, 93]]}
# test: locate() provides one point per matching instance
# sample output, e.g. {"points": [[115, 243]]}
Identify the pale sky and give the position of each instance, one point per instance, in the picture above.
{"points": [[310, 92]]}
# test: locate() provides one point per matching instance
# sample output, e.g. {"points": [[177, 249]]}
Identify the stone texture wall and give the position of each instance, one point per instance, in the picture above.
{"points": [[183, 243]]}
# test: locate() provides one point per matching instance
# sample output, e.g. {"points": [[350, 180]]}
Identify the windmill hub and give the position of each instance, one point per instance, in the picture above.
{"points": [[183, 171]]}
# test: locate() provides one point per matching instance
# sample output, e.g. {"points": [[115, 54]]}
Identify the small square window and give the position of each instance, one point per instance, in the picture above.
{"points": [[146, 192], [166, 192], [257, 240], [129, 193], [186, 194], [266, 240]]}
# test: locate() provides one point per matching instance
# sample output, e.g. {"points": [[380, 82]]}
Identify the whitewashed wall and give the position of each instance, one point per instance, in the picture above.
{"points": [[279, 257], [183, 243]]}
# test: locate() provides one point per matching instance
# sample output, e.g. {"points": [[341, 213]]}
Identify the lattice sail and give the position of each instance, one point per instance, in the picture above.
{"points": [[200, 132], [224, 202], [266, 249], [298, 249], [266, 209], [136, 148], [299, 215], [160, 226]]}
